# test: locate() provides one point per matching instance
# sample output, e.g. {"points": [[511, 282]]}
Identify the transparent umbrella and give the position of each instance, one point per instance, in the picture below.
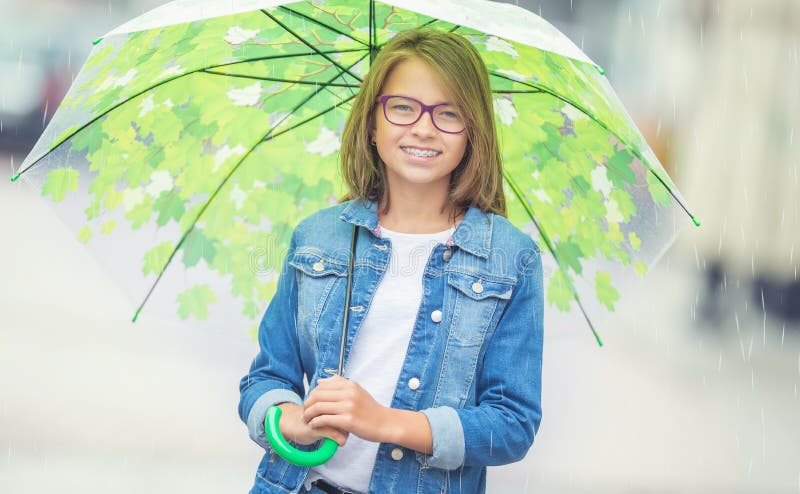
{"points": [[196, 137]]}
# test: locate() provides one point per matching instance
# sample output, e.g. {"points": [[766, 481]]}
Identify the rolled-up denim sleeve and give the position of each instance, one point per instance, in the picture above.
{"points": [[255, 419], [276, 373], [447, 436]]}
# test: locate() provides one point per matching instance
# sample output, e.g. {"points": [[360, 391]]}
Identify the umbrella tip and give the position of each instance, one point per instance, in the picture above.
{"points": [[600, 69], [135, 316], [696, 221], [15, 177], [97, 40]]}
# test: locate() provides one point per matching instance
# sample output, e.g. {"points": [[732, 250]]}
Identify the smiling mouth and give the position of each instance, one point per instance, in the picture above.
{"points": [[422, 153]]}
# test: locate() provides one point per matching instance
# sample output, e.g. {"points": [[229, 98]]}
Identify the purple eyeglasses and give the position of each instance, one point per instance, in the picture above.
{"points": [[405, 110]]}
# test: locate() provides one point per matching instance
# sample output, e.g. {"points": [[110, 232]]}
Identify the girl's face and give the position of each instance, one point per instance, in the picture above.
{"points": [[417, 155]]}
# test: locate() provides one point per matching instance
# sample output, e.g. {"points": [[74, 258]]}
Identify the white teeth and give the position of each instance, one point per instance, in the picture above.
{"points": [[420, 152]]}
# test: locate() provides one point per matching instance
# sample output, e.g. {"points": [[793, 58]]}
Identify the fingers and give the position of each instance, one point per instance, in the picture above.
{"points": [[333, 382], [321, 408], [338, 436], [327, 396]]}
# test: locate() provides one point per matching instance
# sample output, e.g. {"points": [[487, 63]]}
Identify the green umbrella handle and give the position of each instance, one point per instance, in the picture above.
{"points": [[289, 452]]}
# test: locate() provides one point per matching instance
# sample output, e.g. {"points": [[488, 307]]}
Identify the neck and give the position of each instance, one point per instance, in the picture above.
{"points": [[417, 213]]}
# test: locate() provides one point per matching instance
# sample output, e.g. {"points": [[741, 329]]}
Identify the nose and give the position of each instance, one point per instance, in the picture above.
{"points": [[424, 126]]}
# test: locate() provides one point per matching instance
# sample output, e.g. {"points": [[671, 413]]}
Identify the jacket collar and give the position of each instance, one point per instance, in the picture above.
{"points": [[474, 233]]}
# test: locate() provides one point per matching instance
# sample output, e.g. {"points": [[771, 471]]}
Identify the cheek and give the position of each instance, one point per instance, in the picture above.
{"points": [[387, 133], [461, 148]]}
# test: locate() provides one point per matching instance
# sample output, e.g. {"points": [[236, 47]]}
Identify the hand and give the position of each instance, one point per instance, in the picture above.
{"points": [[294, 428], [341, 404]]}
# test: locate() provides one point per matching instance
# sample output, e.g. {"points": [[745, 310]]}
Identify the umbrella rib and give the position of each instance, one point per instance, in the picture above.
{"points": [[316, 91], [323, 112], [524, 83], [161, 83], [516, 91], [275, 79], [282, 55], [324, 55], [315, 21], [373, 32], [632, 149], [523, 200], [222, 184]]}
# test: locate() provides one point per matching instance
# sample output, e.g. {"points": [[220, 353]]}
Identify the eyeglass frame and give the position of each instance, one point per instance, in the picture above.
{"points": [[382, 99]]}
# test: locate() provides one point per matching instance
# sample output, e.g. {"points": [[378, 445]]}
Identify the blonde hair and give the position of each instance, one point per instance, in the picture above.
{"points": [[478, 180]]}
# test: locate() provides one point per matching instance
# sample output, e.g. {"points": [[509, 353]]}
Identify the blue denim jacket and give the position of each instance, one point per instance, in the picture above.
{"points": [[476, 347]]}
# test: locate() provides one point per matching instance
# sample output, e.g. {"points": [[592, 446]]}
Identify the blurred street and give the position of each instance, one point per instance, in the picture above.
{"points": [[696, 390]]}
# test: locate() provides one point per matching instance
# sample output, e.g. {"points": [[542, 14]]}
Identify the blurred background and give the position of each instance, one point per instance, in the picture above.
{"points": [[696, 389]]}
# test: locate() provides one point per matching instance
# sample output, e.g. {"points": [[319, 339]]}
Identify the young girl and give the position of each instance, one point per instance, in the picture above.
{"points": [[444, 347]]}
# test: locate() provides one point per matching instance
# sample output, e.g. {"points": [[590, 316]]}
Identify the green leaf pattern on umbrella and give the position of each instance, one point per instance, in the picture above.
{"points": [[218, 136]]}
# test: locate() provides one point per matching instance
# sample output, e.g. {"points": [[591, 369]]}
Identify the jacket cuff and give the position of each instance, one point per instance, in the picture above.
{"points": [[255, 419], [448, 438]]}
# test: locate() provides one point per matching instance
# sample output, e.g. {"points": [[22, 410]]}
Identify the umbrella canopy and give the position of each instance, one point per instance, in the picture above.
{"points": [[198, 135]]}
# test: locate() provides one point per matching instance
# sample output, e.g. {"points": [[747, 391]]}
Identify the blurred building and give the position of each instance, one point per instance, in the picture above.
{"points": [[43, 44], [739, 153]]}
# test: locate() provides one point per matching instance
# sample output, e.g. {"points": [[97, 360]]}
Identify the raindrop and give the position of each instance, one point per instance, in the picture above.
{"points": [[719, 362], [746, 79], [763, 438], [697, 258]]}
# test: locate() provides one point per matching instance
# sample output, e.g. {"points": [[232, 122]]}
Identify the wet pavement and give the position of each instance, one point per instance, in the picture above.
{"points": [[92, 403]]}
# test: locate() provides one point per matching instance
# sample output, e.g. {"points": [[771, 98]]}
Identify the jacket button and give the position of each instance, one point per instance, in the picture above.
{"points": [[447, 254], [436, 315], [397, 454], [477, 287], [413, 383], [318, 266]]}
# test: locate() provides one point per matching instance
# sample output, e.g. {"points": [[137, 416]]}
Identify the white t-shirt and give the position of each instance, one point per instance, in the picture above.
{"points": [[380, 347]]}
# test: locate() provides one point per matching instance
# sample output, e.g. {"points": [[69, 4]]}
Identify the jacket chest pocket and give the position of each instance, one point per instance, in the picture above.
{"points": [[317, 277], [478, 301], [477, 305]]}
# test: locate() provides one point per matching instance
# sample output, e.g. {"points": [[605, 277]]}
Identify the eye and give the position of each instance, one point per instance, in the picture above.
{"points": [[449, 114], [401, 107]]}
